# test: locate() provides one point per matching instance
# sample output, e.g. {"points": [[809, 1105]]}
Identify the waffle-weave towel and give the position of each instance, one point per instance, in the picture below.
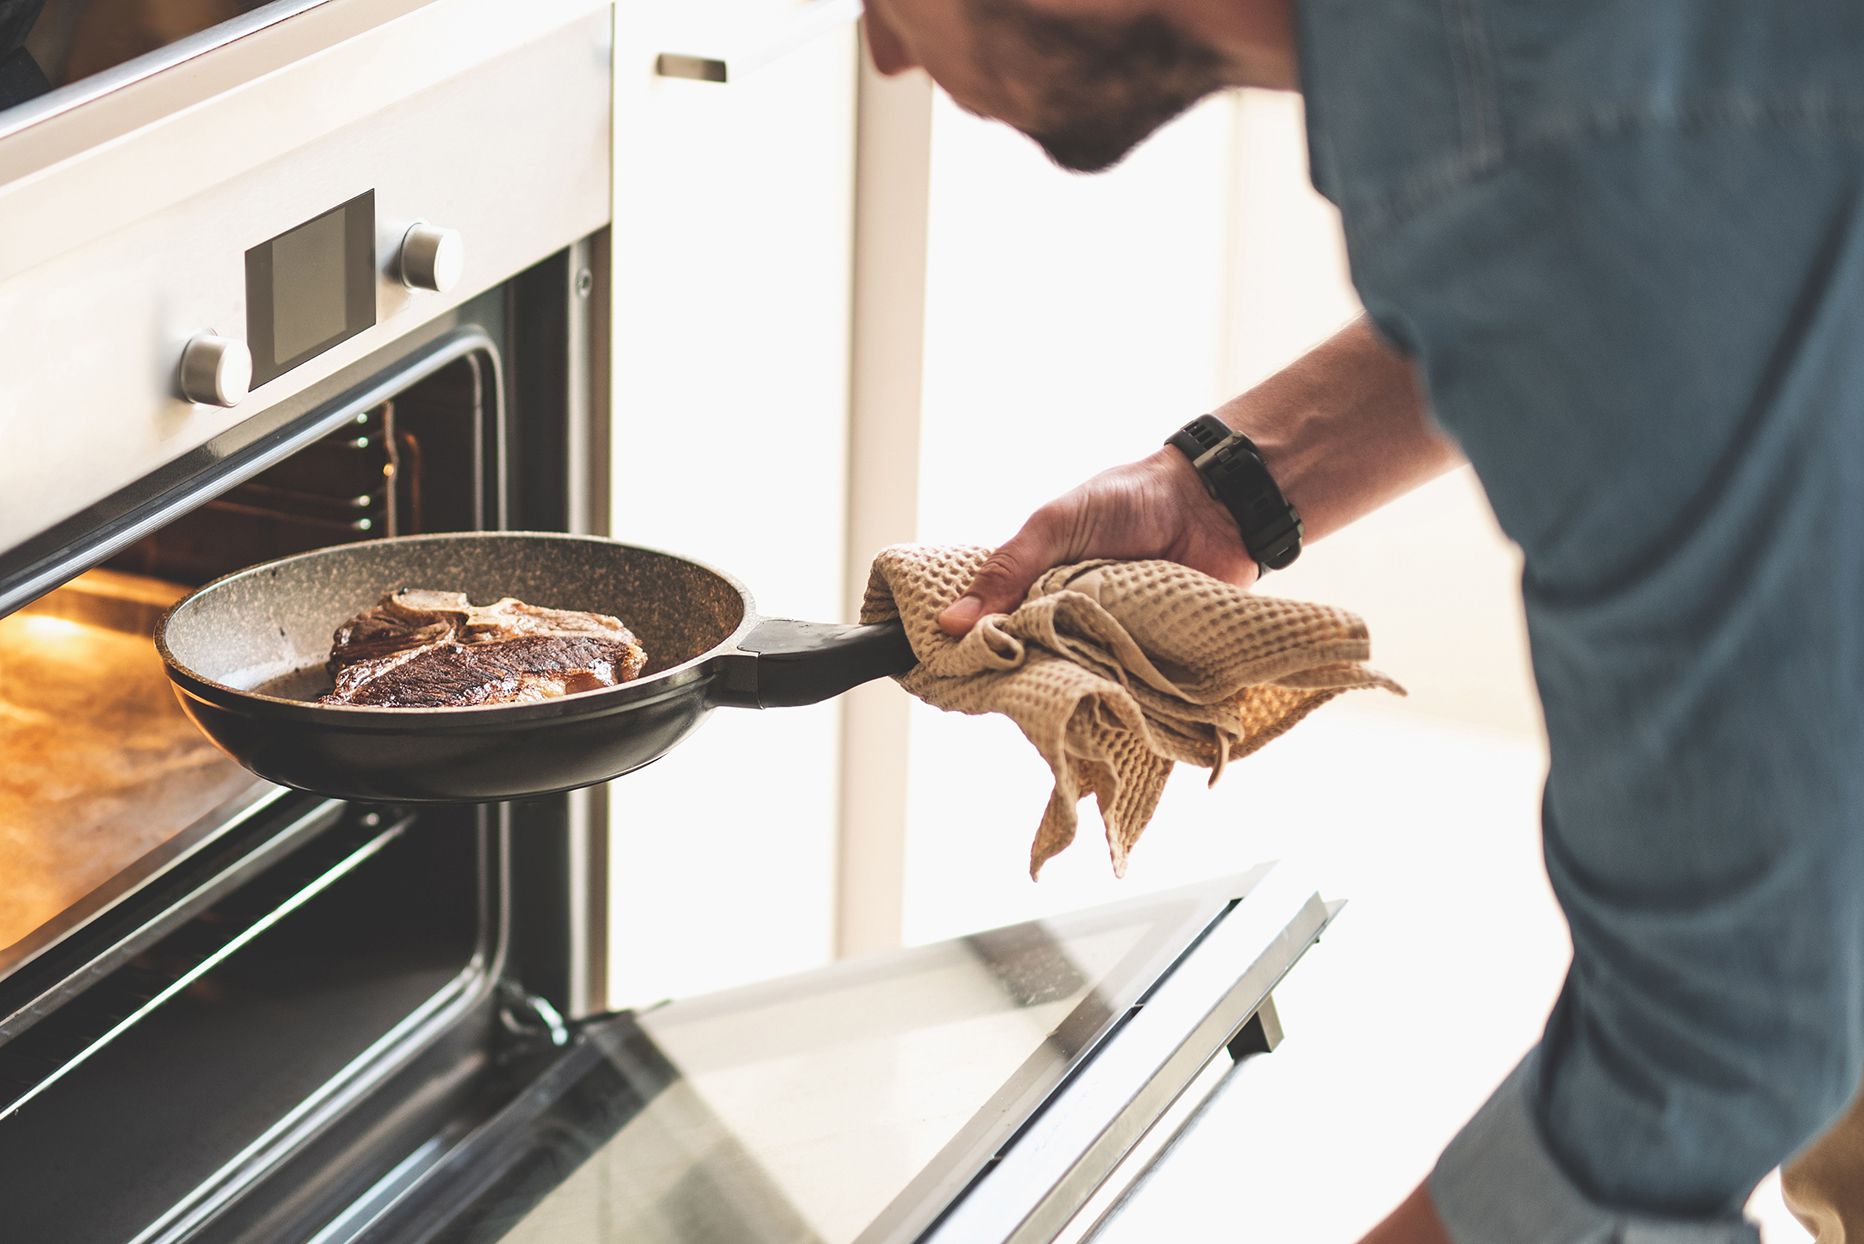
{"points": [[1116, 670]]}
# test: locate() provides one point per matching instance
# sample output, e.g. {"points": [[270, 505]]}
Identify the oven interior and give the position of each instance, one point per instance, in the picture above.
{"points": [[194, 963], [105, 772]]}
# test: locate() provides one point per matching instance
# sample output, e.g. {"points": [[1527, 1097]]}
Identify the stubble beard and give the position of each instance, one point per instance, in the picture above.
{"points": [[1099, 87]]}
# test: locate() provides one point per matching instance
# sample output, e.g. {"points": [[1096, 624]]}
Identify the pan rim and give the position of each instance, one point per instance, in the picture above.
{"points": [[676, 679]]}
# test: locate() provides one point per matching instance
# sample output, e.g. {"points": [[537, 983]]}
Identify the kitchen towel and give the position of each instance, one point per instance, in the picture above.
{"points": [[1116, 670]]}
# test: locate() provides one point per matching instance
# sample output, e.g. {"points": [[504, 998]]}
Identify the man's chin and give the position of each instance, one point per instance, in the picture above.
{"points": [[1084, 153]]}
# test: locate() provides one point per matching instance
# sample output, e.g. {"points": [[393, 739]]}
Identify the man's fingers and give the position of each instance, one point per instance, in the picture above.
{"points": [[1003, 580], [961, 615]]}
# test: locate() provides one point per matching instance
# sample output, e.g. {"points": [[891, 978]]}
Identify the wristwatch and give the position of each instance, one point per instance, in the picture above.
{"points": [[1233, 472]]}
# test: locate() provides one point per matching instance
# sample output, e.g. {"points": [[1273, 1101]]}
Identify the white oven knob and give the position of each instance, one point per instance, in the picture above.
{"points": [[216, 371], [432, 258]]}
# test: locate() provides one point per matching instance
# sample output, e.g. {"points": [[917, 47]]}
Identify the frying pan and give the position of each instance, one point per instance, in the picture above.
{"points": [[246, 656]]}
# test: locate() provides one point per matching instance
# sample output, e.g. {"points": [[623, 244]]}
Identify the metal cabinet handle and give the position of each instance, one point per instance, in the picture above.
{"points": [[816, 19]]}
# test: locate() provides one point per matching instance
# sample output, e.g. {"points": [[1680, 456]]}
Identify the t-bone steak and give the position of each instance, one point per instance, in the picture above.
{"points": [[421, 648]]}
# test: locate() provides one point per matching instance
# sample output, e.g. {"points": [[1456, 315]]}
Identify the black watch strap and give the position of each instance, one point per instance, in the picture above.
{"points": [[1234, 473]]}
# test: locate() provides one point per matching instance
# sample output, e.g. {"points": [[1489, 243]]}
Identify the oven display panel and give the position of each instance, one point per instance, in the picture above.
{"points": [[310, 288]]}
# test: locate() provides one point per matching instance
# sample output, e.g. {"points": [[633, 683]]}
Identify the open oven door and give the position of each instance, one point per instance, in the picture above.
{"points": [[1001, 1086]]}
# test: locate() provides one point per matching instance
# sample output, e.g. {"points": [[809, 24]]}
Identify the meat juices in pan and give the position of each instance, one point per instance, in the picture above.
{"points": [[420, 648]]}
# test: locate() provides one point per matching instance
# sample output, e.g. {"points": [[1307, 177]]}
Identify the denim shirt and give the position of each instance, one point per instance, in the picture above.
{"points": [[1624, 241]]}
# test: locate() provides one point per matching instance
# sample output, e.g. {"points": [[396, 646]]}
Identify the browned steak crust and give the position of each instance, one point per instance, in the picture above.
{"points": [[532, 668], [427, 649]]}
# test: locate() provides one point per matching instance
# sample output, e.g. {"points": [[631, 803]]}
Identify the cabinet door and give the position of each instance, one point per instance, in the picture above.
{"points": [[731, 242]]}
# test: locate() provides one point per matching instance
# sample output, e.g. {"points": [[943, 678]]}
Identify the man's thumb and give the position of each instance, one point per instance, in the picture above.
{"points": [[999, 586]]}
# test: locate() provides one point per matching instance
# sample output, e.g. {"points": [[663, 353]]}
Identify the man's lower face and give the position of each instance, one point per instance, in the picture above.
{"points": [[1089, 90], [1094, 143]]}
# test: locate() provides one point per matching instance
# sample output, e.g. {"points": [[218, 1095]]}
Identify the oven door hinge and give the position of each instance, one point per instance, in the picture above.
{"points": [[530, 1022]]}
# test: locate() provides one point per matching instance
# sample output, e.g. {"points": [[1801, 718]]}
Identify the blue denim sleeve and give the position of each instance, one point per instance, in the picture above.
{"points": [[1634, 282], [1497, 1182]]}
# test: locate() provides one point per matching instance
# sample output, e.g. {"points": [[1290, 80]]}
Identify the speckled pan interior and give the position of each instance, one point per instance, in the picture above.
{"points": [[251, 629]]}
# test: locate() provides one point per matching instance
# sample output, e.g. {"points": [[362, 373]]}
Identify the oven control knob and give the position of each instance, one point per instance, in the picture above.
{"points": [[432, 258], [216, 371]]}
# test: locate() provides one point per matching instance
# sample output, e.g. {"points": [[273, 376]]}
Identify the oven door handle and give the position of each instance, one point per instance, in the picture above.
{"points": [[816, 19]]}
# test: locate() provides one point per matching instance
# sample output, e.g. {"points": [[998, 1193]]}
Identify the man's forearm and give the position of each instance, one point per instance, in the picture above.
{"points": [[1343, 429], [1415, 1221]]}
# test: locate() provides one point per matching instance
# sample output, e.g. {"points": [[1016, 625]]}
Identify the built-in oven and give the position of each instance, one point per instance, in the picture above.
{"points": [[281, 276], [221, 991]]}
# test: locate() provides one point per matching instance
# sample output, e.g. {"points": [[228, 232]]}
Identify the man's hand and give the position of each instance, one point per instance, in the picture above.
{"points": [[1156, 507]]}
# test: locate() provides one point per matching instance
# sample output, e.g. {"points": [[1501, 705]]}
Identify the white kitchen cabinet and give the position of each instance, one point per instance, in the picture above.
{"points": [[730, 354]]}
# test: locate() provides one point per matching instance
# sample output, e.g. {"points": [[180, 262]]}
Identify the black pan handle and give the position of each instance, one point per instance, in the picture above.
{"points": [[783, 663]]}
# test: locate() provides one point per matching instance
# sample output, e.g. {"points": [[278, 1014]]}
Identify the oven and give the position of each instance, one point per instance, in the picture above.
{"points": [[286, 275]]}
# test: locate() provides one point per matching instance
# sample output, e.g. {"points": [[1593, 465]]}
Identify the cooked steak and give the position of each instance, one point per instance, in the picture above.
{"points": [[420, 648]]}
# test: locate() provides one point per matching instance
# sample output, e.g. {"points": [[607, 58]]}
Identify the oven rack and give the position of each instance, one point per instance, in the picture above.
{"points": [[177, 954]]}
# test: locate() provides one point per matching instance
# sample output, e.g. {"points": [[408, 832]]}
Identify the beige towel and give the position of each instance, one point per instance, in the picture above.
{"points": [[1116, 670]]}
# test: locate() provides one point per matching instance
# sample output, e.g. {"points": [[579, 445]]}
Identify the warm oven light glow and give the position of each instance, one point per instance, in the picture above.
{"points": [[44, 628]]}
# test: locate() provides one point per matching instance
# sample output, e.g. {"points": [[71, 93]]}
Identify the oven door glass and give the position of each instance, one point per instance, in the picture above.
{"points": [[978, 1088]]}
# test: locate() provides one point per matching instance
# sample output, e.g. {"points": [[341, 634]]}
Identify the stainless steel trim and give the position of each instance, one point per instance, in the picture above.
{"points": [[244, 938], [282, 83], [588, 887], [595, 290], [1212, 1085], [1262, 1034], [1231, 1076], [1175, 922], [1160, 1139], [388, 1054], [1052, 1169], [76, 94], [117, 521], [817, 18], [396, 1048], [586, 447], [494, 900], [215, 825], [355, 1218], [580, 393]]}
